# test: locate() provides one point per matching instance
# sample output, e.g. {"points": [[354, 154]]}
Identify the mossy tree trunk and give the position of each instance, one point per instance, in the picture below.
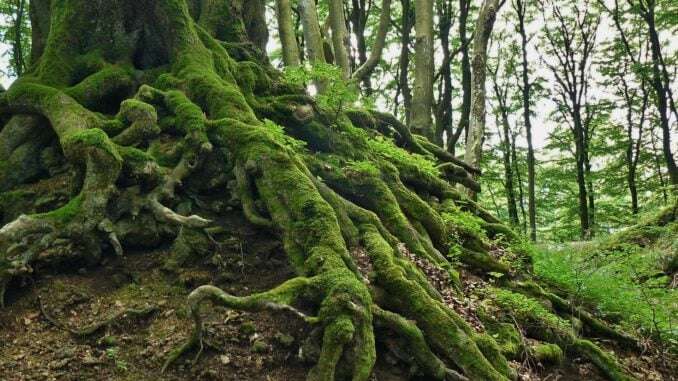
{"points": [[145, 105]]}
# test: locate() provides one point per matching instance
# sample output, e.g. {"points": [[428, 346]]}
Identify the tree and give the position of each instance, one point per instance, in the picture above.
{"points": [[571, 37], [313, 38], [363, 71], [521, 9], [339, 37], [443, 106], [464, 41], [660, 80], [404, 62], [17, 35], [501, 84], [484, 24], [422, 103], [188, 115], [287, 33]]}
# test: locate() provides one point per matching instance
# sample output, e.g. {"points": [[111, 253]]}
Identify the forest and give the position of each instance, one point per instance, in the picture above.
{"points": [[320, 190]]}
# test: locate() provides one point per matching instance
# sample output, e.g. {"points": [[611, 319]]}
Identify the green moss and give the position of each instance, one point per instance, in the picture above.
{"points": [[134, 155], [544, 323], [66, 213], [248, 328], [492, 353], [259, 346], [166, 153], [507, 337], [606, 363], [92, 138], [547, 353]]}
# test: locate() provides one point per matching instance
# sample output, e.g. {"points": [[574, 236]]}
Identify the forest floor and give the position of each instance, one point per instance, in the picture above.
{"points": [[242, 346]]}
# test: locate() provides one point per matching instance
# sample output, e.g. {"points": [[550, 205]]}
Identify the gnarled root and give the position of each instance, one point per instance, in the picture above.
{"points": [[130, 313], [278, 299]]}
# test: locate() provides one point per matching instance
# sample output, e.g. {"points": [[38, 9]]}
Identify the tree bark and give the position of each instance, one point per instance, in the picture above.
{"points": [[363, 72], [443, 109], [520, 7], [483, 31], [340, 37], [661, 101], [465, 116], [422, 103], [286, 30], [404, 63]]}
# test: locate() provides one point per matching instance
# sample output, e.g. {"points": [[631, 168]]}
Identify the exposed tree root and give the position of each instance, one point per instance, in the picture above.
{"points": [[129, 313]]}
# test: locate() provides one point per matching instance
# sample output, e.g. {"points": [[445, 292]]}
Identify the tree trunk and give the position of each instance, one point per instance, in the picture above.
{"points": [[509, 188], [313, 39], [521, 8], [519, 180], [660, 92], [443, 109], [465, 116], [580, 160], [422, 103], [403, 80], [363, 72], [288, 35], [483, 31], [340, 37]]}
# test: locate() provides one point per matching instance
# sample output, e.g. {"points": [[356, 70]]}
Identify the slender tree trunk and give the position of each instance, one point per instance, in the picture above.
{"points": [[584, 216], [661, 93], [590, 193], [405, 39], [358, 18], [443, 112], [502, 120], [483, 31], [315, 48], [464, 6], [658, 167], [526, 87], [17, 51], [363, 72], [630, 160], [312, 36], [286, 30], [519, 180], [339, 37], [422, 103]]}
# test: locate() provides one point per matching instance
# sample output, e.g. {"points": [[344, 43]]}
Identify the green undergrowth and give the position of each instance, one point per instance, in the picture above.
{"points": [[627, 277]]}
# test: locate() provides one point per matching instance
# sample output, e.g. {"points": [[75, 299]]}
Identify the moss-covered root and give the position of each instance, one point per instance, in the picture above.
{"points": [[278, 299], [544, 325], [445, 332], [606, 363], [414, 343]]}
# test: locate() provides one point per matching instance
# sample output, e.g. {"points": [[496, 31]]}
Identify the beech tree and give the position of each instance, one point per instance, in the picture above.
{"points": [[484, 24], [422, 102]]}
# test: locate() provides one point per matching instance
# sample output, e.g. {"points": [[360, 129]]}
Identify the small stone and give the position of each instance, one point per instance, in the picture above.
{"points": [[225, 359]]}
